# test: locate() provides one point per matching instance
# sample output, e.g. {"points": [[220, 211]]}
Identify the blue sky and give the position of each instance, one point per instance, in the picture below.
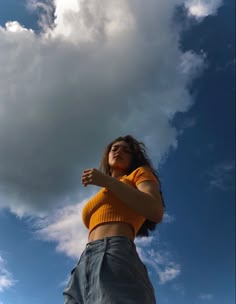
{"points": [[86, 73]]}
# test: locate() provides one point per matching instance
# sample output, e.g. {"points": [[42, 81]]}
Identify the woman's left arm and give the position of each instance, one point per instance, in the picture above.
{"points": [[145, 200]]}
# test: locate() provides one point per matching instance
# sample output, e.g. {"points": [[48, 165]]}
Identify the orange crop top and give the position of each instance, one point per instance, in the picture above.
{"points": [[105, 207]]}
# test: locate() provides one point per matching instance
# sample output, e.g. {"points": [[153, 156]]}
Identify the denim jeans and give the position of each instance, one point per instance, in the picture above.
{"points": [[109, 272]]}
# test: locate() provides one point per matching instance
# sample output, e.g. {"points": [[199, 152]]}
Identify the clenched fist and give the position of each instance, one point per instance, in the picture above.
{"points": [[94, 177]]}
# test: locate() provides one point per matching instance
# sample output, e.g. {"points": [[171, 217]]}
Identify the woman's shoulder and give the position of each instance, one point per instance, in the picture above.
{"points": [[142, 173], [141, 169]]}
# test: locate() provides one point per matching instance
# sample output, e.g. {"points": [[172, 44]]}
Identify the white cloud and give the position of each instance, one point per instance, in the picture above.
{"points": [[190, 64], [98, 70], [169, 273], [15, 26], [101, 20], [206, 296], [159, 262], [6, 279], [144, 241], [168, 218], [202, 8], [222, 176], [66, 229]]}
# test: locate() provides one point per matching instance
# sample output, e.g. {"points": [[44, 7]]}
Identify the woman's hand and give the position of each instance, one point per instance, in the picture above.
{"points": [[94, 177]]}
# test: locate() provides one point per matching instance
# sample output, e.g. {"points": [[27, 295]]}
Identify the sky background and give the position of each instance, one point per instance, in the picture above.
{"points": [[75, 75]]}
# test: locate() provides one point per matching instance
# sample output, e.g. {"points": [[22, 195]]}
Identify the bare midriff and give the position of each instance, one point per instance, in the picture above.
{"points": [[111, 229]]}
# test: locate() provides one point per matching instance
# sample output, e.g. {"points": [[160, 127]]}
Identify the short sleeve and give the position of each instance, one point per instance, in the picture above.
{"points": [[142, 174]]}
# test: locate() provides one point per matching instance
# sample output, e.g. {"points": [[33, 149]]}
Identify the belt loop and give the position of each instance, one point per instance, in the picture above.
{"points": [[105, 243], [132, 243]]}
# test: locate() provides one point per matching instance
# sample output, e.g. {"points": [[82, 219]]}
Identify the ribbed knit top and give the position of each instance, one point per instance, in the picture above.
{"points": [[105, 207]]}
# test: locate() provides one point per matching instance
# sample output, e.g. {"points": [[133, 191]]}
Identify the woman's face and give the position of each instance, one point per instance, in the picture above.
{"points": [[120, 156]]}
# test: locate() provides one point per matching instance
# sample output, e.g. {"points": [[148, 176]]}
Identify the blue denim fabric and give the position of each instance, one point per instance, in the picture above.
{"points": [[109, 272]]}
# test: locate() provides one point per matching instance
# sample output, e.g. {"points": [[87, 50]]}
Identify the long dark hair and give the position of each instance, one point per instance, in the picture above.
{"points": [[139, 158]]}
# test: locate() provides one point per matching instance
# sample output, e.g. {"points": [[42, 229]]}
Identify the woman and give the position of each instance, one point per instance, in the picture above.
{"points": [[128, 205]]}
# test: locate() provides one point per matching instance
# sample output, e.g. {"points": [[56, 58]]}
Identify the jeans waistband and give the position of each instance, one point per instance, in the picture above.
{"points": [[107, 241]]}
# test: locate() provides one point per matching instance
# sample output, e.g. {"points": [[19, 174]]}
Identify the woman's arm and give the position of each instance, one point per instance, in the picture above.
{"points": [[145, 200]]}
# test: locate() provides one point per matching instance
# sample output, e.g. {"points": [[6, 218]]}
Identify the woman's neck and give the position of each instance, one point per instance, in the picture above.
{"points": [[117, 173]]}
